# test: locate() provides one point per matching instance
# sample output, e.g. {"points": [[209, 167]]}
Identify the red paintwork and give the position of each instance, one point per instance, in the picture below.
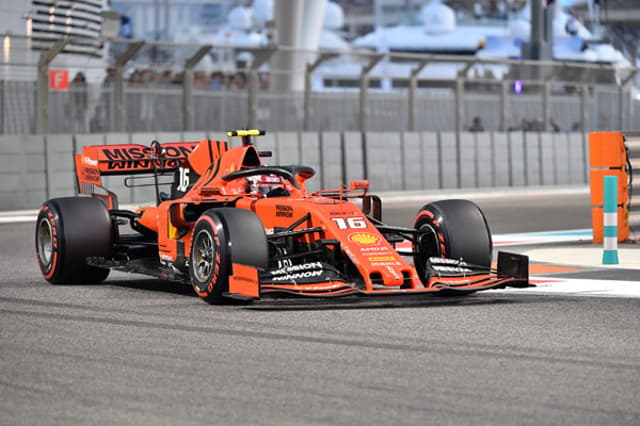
{"points": [[365, 246]]}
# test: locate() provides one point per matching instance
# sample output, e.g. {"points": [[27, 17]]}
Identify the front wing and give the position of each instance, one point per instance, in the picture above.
{"points": [[446, 277]]}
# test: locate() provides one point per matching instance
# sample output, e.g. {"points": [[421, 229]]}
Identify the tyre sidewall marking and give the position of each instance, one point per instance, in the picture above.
{"points": [[429, 217], [215, 274], [49, 270]]}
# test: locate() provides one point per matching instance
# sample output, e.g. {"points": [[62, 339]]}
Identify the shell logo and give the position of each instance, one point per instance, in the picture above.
{"points": [[364, 238]]}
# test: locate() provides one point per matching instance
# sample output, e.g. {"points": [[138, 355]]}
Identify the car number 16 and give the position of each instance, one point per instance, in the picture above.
{"points": [[350, 222]]}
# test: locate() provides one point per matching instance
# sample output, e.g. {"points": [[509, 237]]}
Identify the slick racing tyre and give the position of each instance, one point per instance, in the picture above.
{"points": [[68, 231], [221, 237], [455, 229]]}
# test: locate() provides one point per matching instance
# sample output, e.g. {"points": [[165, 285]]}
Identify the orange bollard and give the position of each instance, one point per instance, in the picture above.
{"points": [[607, 156]]}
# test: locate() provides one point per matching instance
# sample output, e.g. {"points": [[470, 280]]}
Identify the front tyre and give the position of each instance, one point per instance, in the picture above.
{"points": [[68, 231], [221, 237], [455, 229]]}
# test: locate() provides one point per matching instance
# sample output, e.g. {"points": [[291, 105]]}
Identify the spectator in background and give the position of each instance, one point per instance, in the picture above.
{"points": [[264, 80], [200, 79], [477, 125], [78, 100], [239, 80], [478, 11], [216, 80]]}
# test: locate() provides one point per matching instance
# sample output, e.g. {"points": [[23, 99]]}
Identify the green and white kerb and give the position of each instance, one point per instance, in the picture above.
{"points": [[610, 253]]}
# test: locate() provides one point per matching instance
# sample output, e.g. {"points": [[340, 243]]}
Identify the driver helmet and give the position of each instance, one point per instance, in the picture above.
{"points": [[263, 184]]}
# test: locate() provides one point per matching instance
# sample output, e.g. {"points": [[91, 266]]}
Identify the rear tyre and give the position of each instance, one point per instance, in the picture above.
{"points": [[456, 229], [68, 231], [221, 237]]}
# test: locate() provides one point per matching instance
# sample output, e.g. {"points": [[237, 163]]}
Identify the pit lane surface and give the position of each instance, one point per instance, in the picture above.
{"points": [[138, 351]]}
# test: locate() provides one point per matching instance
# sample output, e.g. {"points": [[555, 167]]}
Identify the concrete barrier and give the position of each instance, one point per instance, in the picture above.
{"points": [[412, 163], [352, 149], [267, 142], [532, 159], [23, 181], [86, 140], [331, 160], [468, 156], [562, 158], [60, 170], [431, 160], [449, 162], [198, 136], [164, 137], [548, 159], [310, 156], [116, 183], [579, 158], [484, 160], [501, 161], [518, 159], [384, 160], [34, 168], [287, 148]]}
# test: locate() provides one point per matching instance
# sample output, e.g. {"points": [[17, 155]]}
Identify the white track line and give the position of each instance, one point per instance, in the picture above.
{"points": [[18, 218], [580, 287]]}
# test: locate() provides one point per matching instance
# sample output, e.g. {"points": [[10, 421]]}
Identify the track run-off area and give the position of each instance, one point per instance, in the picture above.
{"points": [[135, 350]]}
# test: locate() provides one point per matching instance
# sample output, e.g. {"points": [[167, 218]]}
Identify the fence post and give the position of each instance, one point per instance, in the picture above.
{"points": [[42, 94], [621, 86], [260, 57], [309, 69], [504, 105], [413, 85], [187, 88], [584, 97], [610, 220], [364, 89], [546, 88], [2, 98], [459, 102], [459, 98], [118, 113]]}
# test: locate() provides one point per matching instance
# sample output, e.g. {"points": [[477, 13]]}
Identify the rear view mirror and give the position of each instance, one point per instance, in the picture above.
{"points": [[359, 184]]}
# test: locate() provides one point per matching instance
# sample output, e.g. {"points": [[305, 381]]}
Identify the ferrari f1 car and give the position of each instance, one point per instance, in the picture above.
{"points": [[236, 228]]}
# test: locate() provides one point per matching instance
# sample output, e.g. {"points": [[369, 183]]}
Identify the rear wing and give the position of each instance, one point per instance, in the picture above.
{"points": [[131, 159]]}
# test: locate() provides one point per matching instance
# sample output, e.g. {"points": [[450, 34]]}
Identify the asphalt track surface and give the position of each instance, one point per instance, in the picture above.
{"points": [[140, 351]]}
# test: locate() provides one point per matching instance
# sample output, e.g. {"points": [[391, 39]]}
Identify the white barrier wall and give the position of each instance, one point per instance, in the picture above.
{"points": [[412, 163], [501, 159], [310, 156], [384, 160], [331, 171], [23, 181], [517, 159], [34, 168], [448, 149], [431, 163]]}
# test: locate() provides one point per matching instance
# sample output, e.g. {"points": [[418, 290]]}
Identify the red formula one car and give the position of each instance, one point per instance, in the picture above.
{"points": [[235, 228]]}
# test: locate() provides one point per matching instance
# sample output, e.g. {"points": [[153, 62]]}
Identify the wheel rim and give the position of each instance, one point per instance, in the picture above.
{"points": [[423, 244], [203, 256], [45, 242]]}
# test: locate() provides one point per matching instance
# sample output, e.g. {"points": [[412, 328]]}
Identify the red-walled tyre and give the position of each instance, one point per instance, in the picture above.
{"points": [[456, 229], [223, 236], [68, 231]]}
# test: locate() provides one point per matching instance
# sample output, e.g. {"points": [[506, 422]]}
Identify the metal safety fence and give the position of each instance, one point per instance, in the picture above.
{"points": [[145, 86]]}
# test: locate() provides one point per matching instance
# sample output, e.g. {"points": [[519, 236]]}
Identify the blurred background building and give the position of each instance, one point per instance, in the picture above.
{"points": [[169, 33]]}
